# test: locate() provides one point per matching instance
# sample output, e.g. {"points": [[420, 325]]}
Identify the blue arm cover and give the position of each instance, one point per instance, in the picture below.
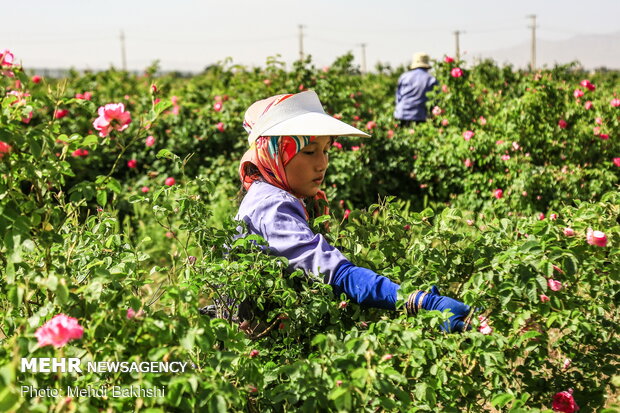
{"points": [[364, 286]]}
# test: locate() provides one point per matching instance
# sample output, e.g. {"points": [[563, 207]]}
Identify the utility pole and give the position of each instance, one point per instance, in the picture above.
{"points": [[301, 42], [533, 27], [123, 53], [458, 46], [363, 45]]}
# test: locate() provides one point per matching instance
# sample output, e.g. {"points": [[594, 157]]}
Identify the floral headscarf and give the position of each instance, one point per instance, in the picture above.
{"points": [[270, 155]]}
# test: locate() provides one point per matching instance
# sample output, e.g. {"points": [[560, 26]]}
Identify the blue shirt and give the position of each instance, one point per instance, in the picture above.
{"points": [[411, 94], [280, 219]]}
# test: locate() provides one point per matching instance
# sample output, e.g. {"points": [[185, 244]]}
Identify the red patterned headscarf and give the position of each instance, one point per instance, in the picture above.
{"points": [[271, 154]]}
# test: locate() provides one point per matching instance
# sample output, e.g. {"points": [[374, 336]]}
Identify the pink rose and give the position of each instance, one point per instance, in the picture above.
{"points": [[597, 238], [596, 130], [347, 213], [468, 163], [220, 126], [36, 79], [437, 111], [59, 331], [569, 232], [498, 193], [386, 357], [578, 93], [390, 134], [603, 136], [588, 105], [61, 113], [544, 298], [470, 222], [112, 116], [371, 124], [617, 161], [598, 121], [131, 313], [482, 120], [6, 58], [566, 364], [145, 189], [515, 146], [562, 124], [343, 304], [254, 353], [541, 216], [150, 141], [170, 181], [448, 59], [132, 163], [484, 327], [615, 102], [445, 122], [217, 106], [338, 145], [505, 157], [456, 72], [355, 148], [467, 135], [444, 88], [586, 83], [554, 285], [564, 402], [79, 152]]}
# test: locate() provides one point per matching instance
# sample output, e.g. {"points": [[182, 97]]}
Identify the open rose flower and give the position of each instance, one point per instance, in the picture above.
{"points": [[616, 162], [484, 326], [588, 85], [59, 331], [554, 285], [5, 148], [456, 72], [498, 193], [467, 135], [564, 402], [615, 102], [6, 58], [448, 59], [562, 124], [597, 238], [578, 93], [112, 116], [544, 298]]}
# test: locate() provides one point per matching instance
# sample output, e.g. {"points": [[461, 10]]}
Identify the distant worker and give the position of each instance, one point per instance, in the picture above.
{"points": [[411, 92]]}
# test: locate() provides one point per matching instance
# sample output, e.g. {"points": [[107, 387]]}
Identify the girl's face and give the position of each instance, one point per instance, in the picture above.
{"points": [[306, 171]]}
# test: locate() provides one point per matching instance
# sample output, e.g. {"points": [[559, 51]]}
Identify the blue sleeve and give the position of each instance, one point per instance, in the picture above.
{"points": [[365, 287]]}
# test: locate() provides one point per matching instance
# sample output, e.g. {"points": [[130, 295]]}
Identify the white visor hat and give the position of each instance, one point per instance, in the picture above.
{"points": [[298, 114]]}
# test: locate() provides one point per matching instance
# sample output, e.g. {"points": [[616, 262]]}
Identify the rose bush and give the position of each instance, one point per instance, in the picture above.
{"points": [[133, 234]]}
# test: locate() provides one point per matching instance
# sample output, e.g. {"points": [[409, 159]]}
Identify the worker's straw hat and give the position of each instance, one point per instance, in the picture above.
{"points": [[420, 60]]}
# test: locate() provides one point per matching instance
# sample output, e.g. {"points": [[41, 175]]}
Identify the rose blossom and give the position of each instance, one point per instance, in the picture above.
{"points": [[145, 189], [6, 58], [445, 122], [59, 331], [562, 124], [5, 148], [564, 402], [569, 232], [615, 102], [467, 135], [587, 84], [588, 105], [578, 93], [448, 59], [468, 163], [484, 327], [456, 72], [597, 238], [79, 152], [347, 213], [36, 79], [437, 111], [220, 126], [170, 181], [150, 141], [498, 193], [505, 157], [566, 364], [112, 116], [617, 162], [554, 285], [544, 298], [337, 145], [132, 163], [355, 148]]}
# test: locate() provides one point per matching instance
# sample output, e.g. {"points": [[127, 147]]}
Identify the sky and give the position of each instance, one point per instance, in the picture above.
{"points": [[188, 35]]}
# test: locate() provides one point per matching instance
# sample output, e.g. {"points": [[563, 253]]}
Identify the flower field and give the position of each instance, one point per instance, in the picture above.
{"points": [[117, 194]]}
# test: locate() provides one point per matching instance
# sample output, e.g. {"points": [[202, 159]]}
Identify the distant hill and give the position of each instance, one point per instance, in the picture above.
{"points": [[592, 51]]}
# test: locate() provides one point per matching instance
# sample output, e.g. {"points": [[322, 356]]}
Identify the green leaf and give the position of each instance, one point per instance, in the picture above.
{"points": [[102, 197], [502, 399], [114, 185]]}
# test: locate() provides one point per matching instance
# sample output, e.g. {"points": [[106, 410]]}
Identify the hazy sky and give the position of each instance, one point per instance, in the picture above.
{"points": [[191, 34]]}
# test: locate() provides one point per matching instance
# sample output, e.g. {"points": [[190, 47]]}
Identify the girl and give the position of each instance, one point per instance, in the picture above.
{"points": [[289, 137]]}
